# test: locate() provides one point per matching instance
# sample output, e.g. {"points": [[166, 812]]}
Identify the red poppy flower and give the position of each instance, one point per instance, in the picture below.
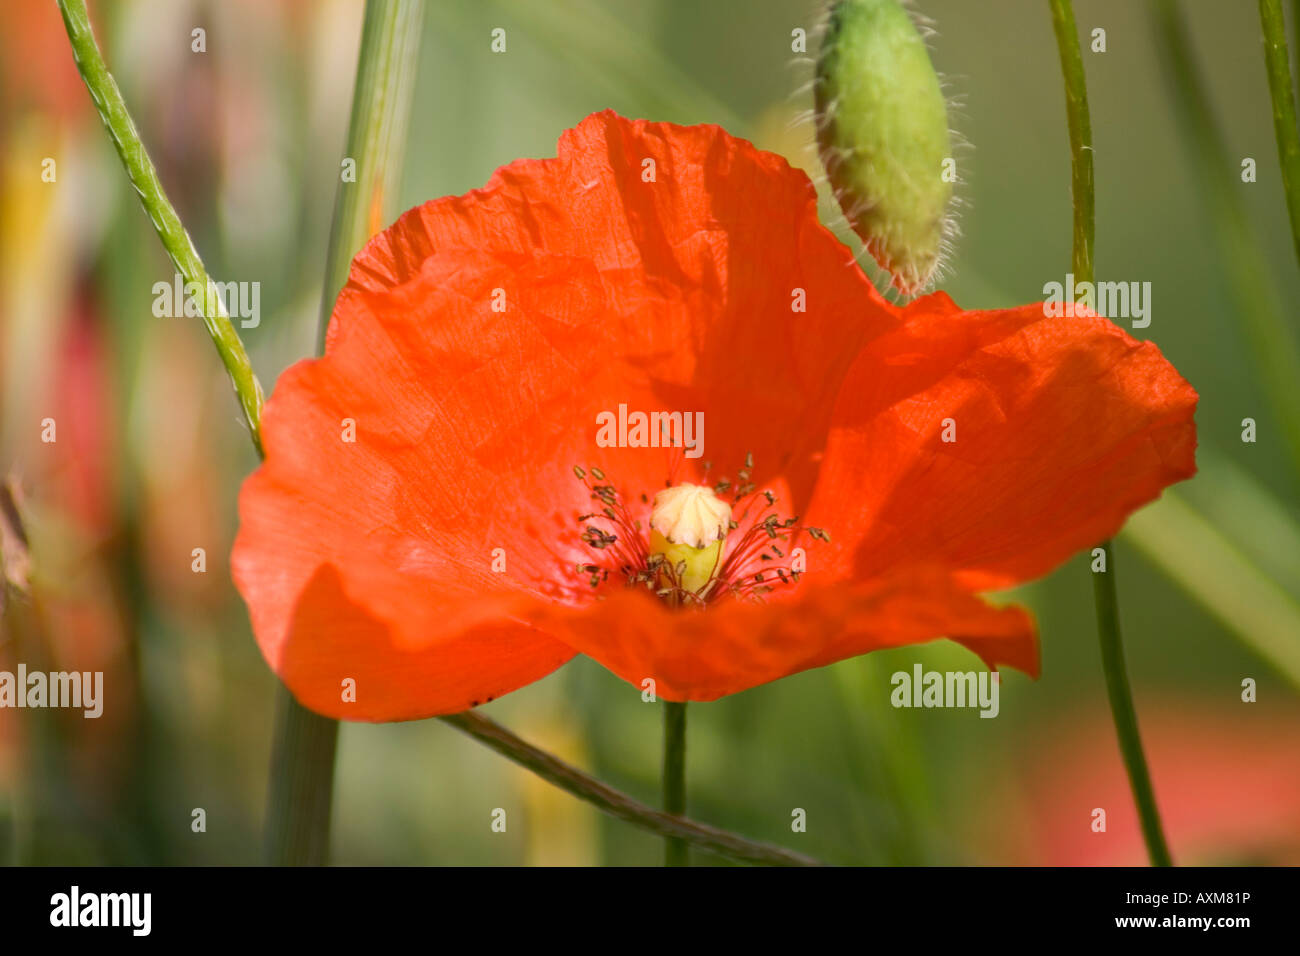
{"points": [[447, 553]]}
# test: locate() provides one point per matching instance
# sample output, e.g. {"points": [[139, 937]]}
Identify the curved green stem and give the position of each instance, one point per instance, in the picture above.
{"points": [[140, 170], [674, 773], [618, 804], [1103, 582], [1284, 116]]}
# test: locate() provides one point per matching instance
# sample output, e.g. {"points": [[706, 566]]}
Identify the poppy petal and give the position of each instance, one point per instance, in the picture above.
{"points": [[693, 265], [997, 444], [735, 645], [341, 660], [354, 539]]}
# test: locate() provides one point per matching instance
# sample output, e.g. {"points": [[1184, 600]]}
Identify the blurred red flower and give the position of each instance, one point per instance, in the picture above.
{"points": [[438, 558], [1226, 782]]}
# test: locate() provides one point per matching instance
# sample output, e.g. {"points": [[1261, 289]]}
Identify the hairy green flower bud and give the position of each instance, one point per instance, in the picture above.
{"points": [[882, 131]]}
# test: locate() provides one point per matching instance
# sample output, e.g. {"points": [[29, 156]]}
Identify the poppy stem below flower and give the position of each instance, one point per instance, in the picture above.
{"points": [[140, 170], [1121, 706], [1284, 115], [617, 804], [676, 853], [1103, 582]]}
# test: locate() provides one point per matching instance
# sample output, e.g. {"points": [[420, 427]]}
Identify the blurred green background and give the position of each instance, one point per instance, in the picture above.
{"points": [[150, 452]]}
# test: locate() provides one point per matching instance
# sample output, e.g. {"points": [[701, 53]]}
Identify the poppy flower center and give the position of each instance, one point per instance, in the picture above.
{"points": [[687, 526], [690, 555]]}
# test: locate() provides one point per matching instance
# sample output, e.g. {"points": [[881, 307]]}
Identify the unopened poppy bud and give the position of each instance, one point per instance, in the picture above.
{"points": [[882, 132], [688, 524]]}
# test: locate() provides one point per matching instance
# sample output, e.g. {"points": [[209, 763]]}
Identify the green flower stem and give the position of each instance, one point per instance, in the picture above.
{"points": [[305, 743], [1080, 123], [301, 789], [140, 170], [1103, 583], [1121, 706], [617, 804], [1284, 117], [381, 108], [674, 779]]}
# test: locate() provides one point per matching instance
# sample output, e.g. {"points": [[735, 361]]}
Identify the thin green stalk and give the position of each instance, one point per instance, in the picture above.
{"points": [[1103, 582], [1121, 707], [1079, 120], [1284, 115], [674, 773], [381, 109], [140, 170], [618, 804], [305, 743], [301, 785]]}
